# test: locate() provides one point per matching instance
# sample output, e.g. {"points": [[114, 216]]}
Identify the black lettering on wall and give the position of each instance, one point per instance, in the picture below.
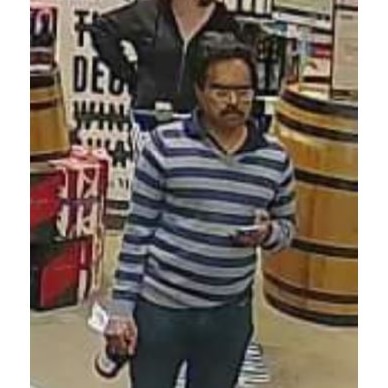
{"points": [[97, 76], [116, 86], [104, 116], [80, 25], [80, 73]]}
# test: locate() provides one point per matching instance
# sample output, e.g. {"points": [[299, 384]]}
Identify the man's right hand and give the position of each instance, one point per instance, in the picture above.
{"points": [[121, 335]]}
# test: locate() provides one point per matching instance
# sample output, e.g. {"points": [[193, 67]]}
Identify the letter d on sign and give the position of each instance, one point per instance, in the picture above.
{"points": [[80, 67]]}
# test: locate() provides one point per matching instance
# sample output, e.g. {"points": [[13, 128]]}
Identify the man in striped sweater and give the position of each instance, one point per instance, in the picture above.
{"points": [[184, 277]]}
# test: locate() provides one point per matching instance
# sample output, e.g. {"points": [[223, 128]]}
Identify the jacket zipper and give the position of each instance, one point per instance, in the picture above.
{"points": [[182, 66], [186, 44]]}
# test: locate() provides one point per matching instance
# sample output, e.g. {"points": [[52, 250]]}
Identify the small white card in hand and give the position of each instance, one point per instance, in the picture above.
{"points": [[98, 319]]}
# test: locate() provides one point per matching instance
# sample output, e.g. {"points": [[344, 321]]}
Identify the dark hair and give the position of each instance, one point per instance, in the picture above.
{"points": [[218, 46]]}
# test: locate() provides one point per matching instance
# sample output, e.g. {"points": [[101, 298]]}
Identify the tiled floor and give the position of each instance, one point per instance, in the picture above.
{"points": [[298, 354]]}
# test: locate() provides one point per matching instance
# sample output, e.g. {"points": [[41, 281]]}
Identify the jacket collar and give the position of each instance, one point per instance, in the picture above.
{"points": [[194, 128]]}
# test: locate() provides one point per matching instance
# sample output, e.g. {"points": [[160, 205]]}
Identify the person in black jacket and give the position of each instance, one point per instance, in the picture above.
{"points": [[165, 35]]}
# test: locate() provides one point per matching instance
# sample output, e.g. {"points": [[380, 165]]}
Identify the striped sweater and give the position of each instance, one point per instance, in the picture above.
{"points": [[188, 198]]}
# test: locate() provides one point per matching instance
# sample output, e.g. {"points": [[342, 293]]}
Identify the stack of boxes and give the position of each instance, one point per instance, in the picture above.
{"points": [[67, 196]]}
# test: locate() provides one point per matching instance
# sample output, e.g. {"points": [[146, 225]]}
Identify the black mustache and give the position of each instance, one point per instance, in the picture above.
{"points": [[204, 3], [232, 110]]}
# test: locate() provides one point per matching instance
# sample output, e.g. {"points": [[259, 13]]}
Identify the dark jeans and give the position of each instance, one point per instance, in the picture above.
{"points": [[212, 341]]}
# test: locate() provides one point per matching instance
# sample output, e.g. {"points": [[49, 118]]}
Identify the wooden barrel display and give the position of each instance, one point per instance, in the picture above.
{"points": [[316, 279], [49, 135]]}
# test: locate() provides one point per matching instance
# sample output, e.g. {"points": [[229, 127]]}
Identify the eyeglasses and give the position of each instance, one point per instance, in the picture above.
{"points": [[225, 93]]}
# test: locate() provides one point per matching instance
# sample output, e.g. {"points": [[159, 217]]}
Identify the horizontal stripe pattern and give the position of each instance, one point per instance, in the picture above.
{"points": [[330, 134], [326, 249], [319, 295], [304, 102], [37, 156], [187, 201], [313, 316], [346, 7], [44, 80], [42, 105], [326, 181]]}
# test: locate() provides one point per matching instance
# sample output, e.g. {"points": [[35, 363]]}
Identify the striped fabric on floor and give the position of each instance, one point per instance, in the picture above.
{"points": [[252, 373]]}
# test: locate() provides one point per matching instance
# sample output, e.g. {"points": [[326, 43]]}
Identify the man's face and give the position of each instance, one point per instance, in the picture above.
{"points": [[227, 95]]}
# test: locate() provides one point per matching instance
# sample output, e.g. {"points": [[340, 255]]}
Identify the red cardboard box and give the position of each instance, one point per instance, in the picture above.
{"points": [[45, 184], [54, 274], [65, 273], [95, 155], [81, 178], [83, 194], [91, 267], [70, 202], [78, 218]]}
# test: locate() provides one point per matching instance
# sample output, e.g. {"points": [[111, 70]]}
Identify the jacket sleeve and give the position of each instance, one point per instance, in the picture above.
{"points": [[145, 208], [107, 33], [282, 212]]}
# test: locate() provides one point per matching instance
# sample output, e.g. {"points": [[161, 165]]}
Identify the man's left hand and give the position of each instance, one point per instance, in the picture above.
{"points": [[254, 237]]}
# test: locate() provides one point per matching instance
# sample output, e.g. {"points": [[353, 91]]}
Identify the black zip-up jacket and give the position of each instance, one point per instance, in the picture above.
{"points": [[164, 68]]}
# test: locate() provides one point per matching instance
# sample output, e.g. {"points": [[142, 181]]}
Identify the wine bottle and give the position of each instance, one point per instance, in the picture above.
{"points": [[108, 364]]}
